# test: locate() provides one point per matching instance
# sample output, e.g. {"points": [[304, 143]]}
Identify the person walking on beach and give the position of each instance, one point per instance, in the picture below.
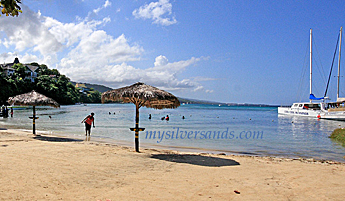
{"points": [[89, 120]]}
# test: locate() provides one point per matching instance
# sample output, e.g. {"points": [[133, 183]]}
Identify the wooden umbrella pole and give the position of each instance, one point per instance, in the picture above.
{"points": [[33, 121], [137, 127]]}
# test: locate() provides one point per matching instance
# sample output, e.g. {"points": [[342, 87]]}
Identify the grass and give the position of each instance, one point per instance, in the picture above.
{"points": [[338, 135]]}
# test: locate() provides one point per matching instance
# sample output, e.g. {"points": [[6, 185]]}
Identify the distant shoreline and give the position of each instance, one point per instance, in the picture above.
{"points": [[102, 88]]}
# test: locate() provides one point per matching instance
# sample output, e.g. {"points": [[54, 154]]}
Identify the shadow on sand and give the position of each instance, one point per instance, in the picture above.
{"points": [[55, 139], [193, 159]]}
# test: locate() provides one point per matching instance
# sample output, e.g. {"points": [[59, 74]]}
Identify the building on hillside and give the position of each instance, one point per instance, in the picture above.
{"points": [[30, 71], [80, 85], [8, 71], [7, 67], [83, 88]]}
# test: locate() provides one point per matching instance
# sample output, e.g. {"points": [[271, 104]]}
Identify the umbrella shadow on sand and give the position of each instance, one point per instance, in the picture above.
{"points": [[55, 139], [193, 159]]}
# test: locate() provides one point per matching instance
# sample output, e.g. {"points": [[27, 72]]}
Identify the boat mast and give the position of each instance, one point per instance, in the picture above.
{"points": [[341, 28], [310, 63]]}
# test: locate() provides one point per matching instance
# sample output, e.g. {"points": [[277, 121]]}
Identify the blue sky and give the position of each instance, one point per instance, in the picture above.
{"points": [[227, 51]]}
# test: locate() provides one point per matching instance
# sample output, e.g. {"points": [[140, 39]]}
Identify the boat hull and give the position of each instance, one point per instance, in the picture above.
{"points": [[339, 116], [298, 112], [319, 114]]}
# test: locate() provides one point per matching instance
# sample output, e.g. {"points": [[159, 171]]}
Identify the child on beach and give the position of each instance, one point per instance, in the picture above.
{"points": [[89, 120]]}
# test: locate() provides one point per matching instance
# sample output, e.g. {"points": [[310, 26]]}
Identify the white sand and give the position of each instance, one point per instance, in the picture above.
{"points": [[49, 168]]}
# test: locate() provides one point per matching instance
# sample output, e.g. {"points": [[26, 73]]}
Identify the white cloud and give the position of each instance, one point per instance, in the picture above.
{"points": [[160, 12], [161, 61], [107, 3], [201, 79], [198, 88], [165, 74], [89, 54], [117, 75], [7, 57], [27, 32], [95, 53], [29, 58]]}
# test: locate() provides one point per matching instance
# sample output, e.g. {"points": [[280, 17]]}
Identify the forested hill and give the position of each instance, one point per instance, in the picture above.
{"points": [[17, 78], [97, 87]]}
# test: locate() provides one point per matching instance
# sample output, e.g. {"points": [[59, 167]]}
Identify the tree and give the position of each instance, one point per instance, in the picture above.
{"points": [[20, 70], [10, 7], [44, 70], [48, 82], [35, 64]]}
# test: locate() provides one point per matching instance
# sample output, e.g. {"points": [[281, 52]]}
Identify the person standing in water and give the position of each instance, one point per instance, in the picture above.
{"points": [[89, 120]]}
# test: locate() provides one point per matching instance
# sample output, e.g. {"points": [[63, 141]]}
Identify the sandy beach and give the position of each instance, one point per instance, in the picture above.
{"points": [[57, 168]]}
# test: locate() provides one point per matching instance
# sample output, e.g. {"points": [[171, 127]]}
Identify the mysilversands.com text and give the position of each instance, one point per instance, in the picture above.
{"points": [[177, 133]]}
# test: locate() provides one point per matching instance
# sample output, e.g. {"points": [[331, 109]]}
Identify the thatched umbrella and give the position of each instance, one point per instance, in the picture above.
{"points": [[33, 99], [142, 95]]}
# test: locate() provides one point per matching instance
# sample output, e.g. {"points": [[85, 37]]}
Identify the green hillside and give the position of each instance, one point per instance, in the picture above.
{"points": [[96, 87]]}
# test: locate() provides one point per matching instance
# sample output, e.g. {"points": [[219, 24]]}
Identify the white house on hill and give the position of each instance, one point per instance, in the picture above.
{"points": [[30, 71], [8, 71]]}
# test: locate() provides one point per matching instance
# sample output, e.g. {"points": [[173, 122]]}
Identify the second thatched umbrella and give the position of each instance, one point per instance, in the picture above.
{"points": [[32, 99], [142, 95]]}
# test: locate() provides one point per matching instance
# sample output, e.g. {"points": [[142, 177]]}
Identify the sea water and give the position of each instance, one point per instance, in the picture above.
{"points": [[204, 128]]}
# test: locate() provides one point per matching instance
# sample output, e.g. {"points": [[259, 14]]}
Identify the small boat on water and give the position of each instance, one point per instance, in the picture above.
{"points": [[320, 109]]}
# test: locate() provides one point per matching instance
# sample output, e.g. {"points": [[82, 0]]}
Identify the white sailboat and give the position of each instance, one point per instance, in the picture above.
{"points": [[321, 109]]}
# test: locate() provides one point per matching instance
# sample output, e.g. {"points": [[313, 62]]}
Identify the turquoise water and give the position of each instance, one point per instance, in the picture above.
{"points": [[206, 128]]}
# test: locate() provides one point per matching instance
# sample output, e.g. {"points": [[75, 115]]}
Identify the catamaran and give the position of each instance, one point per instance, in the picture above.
{"points": [[320, 109]]}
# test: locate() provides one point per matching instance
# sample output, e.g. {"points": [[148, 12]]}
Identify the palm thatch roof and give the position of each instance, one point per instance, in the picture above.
{"points": [[32, 99], [144, 95]]}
